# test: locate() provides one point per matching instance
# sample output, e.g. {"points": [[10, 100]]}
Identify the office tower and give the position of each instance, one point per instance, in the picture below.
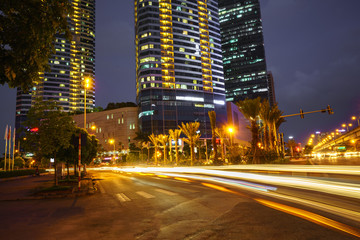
{"points": [[245, 70], [272, 99], [178, 64], [72, 62]]}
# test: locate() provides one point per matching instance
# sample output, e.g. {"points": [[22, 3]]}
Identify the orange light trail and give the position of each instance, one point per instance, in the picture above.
{"points": [[312, 217]]}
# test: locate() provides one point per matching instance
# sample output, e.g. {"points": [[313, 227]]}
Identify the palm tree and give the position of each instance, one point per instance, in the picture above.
{"points": [[265, 115], [212, 116], [275, 121], [251, 109], [163, 139], [190, 130], [291, 144], [154, 139], [175, 135], [278, 121], [222, 134]]}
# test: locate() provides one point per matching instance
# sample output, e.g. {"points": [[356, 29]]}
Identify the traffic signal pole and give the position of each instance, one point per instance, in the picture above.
{"points": [[328, 110]]}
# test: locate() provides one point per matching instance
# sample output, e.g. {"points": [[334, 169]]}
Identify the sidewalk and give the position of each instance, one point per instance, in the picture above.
{"points": [[25, 187]]}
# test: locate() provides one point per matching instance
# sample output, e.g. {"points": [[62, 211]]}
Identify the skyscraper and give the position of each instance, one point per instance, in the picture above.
{"points": [[245, 69], [72, 62], [178, 63]]}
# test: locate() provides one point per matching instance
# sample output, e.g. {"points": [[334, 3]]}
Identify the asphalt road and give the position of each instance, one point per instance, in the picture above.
{"points": [[147, 206]]}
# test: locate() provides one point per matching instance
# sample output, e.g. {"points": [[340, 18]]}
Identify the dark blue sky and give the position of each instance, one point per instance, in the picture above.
{"points": [[312, 48]]}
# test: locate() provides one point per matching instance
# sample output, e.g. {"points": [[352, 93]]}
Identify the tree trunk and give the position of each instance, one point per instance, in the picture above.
{"points": [[213, 141], [156, 151], [148, 158], [192, 154], [164, 154], [176, 153], [56, 173], [67, 168], [170, 148]]}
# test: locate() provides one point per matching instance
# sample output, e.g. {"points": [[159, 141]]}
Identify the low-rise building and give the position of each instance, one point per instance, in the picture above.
{"points": [[114, 128], [242, 134]]}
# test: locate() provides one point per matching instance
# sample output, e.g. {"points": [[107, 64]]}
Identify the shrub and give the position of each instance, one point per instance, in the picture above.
{"points": [[18, 173]]}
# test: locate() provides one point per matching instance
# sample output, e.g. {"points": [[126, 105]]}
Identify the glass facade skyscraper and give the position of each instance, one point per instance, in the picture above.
{"points": [[179, 70], [245, 69], [72, 62]]}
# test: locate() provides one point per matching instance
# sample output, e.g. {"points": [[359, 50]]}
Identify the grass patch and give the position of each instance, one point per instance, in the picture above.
{"points": [[56, 189]]}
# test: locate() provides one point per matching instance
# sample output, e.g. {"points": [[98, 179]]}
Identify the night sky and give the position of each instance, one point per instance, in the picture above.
{"points": [[312, 48]]}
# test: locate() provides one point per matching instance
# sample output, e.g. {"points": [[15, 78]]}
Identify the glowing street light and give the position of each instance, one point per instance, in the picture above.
{"points": [[112, 141], [356, 118], [86, 87], [231, 132], [347, 126]]}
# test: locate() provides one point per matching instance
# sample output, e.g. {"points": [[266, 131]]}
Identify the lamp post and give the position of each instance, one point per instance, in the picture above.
{"points": [[112, 141], [231, 132], [356, 118], [86, 86], [347, 126]]}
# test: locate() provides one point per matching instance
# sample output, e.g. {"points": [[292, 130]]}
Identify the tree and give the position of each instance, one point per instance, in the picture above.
{"points": [[48, 131], [291, 144], [308, 149], [222, 134], [276, 120], [190, 130], [28, 30], [112, 105], [163, 139], [251, 109], [265, 115], [89, 150], [154, 139], [212, 116], [175, 135]]}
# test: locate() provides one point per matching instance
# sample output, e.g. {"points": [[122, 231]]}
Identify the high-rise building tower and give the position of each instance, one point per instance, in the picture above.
{"points": [[178, 63], [245, 69], [72, 62]]}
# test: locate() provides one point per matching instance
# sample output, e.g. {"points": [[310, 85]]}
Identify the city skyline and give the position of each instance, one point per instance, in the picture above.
{"points": [[317, 53]]}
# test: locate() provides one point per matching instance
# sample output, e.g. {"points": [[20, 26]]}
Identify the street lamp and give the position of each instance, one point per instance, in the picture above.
{"points": [[356, 118], [231, 132], [347, 126], [86, 86], [112, 141]]}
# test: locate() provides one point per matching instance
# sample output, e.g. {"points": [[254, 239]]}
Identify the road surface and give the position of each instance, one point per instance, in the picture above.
{"points": [[150, 206]]}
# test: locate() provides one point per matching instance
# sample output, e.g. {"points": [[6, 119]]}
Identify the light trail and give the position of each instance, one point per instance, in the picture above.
{"points": [[336, 188], [312, 217]]}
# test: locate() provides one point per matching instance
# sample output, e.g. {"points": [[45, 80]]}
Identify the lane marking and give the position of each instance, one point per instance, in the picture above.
{"points": [[165, 192], [122, 197], [145, 195], [182, 179]]}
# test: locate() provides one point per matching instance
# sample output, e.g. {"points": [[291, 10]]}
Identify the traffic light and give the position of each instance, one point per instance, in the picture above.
{"points": [[301, 113], [329, 110]]}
